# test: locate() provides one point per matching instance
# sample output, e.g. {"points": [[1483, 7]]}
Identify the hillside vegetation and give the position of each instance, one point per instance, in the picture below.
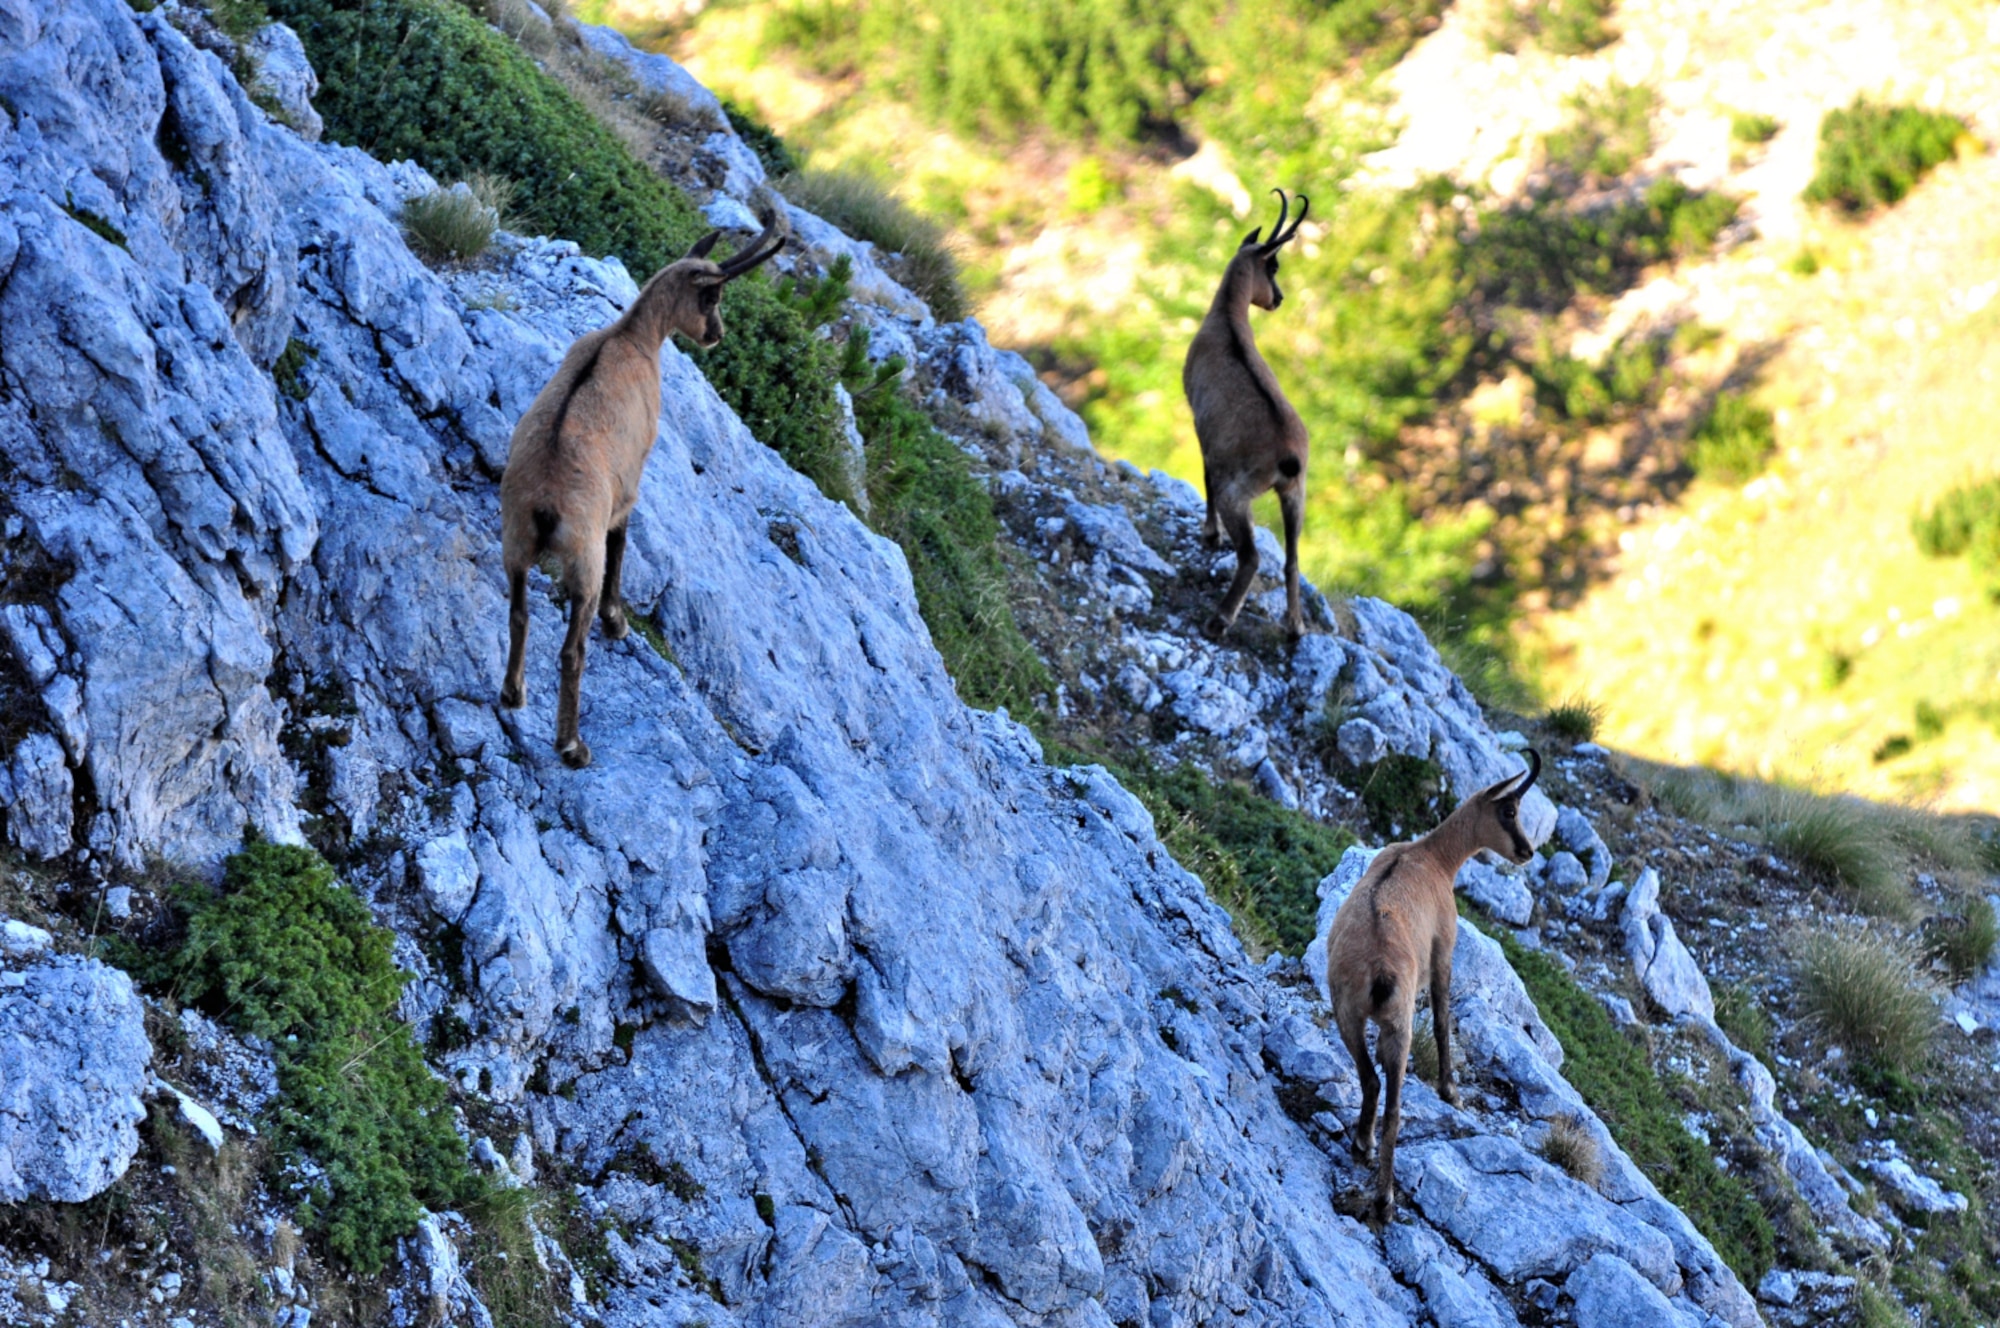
{"points": [[1554, 301]]}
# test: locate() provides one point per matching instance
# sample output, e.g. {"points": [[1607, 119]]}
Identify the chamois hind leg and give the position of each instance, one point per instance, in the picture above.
{"points": [[1292, 503], [585, 578], [1393, 1043], [514, 687], [1242, 534], [1441, 1016], [1354, 1032], [1211, 529], [611, 604]]}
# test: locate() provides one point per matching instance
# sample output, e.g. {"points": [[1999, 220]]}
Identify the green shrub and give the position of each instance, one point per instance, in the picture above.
{"points": [[1405, 796], [1609, 131], [1965, 523], [916, 252], [1752, 127], [1863, 989], [1574, 718], [922, 495], [771, 150], [285, 953], [1258, 860], [1562, 27], [1734, 440], [1610, 1070], [1871, 155], [289, 370], [1538, 253]]}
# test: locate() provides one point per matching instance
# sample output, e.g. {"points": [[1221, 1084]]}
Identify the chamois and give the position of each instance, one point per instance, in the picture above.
{"points": [[574, 463], [1251, 438], [1394, 934]]}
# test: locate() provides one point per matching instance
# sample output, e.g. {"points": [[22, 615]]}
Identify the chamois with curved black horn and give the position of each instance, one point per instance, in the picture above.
{"points": [[1251, 438], [1394, 936], [574, 464]]}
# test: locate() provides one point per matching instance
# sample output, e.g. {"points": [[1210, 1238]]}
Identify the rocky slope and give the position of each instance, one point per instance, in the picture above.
{"points": [[916, 1027]]}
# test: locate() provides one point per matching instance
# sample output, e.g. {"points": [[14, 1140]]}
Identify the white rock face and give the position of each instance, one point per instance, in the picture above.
{"points": [[73, 1058], [941, 1034], [1659, 957]]}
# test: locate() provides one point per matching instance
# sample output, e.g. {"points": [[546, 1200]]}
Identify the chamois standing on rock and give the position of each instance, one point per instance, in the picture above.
{"points": [[574, 464], [1393, 935], [1251, 438]]}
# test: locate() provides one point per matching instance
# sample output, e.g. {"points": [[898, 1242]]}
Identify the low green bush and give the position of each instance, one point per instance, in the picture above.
{"points": [[1863, 988], [1405, 796], [1734, 440], [1611, 1071], [1538, 253], [1258, 860], [1871, 155], [1753, 128], [284, 953], [1609, 130], [1562, 27], [1965, 523]]}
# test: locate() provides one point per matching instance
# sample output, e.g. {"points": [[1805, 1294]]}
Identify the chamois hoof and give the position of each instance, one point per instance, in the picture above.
{"points": [[1382, 1209], [1448, 1093], [1215, 628], [615, 626], [513, 695], [575, 753], [1294, 631]]}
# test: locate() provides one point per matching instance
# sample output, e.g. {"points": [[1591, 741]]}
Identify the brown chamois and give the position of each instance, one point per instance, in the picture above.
{"points": [[574, 464], [1394, 935], [1251, 438]]}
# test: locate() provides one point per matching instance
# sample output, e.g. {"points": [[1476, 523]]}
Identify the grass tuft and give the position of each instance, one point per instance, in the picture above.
{"points": [[1753, 128], [1840, 841], [1963, 941], [456, 225], [1734, 440], [916, 250], [1561, 27], [1864, 990], [1570, 1145], [1871, 155], [1575, 718]]}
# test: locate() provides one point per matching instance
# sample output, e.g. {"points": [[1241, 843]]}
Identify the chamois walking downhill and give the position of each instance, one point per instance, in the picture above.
{"points": [[574, 464], [1393, 936], [1252, 440]]}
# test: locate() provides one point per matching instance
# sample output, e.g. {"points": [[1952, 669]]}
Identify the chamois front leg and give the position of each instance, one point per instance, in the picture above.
{"points": [[1292, 503], [1441, 1014], [611, 604], [1394, 1044], [586, 579], [1236, 520], [514, 687]]}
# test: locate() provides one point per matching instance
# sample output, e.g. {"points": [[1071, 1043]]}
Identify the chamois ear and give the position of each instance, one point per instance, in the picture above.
{"points": [[1251, 238], [704, 244]]}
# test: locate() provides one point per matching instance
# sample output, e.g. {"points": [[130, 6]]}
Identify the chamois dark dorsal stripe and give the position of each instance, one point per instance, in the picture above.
{"points": [[562, 410]]}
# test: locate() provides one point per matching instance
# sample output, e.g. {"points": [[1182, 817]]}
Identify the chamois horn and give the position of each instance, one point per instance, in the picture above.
{"points": [[756, 252]]}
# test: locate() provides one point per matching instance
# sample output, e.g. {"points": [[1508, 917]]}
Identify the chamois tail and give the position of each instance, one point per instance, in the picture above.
{"points": [[1381, 989], [1289, 467]]}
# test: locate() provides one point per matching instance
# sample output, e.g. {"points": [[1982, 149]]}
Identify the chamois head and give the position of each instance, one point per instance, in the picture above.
{"points": [[1497, 813], [1254, 269], [696, 309]]}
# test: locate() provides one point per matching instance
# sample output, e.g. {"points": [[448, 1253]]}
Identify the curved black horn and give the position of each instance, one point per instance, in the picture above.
{"points": [[757, 251], [1305, 205], [1534, 773], [1284, 210]]}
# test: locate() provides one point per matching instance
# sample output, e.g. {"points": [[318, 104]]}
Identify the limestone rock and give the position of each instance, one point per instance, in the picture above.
{"points": [[73, 1067], [1669, 973]]}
